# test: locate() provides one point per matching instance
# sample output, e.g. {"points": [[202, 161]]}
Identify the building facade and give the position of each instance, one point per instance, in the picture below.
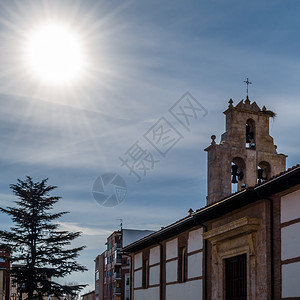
{"points": [[4, 276], [112, 270], [99, 276], [88, 296], [243, 244], [113, 283]]}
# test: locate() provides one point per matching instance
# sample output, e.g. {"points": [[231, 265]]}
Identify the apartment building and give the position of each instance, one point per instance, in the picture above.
{"points": [[4, 276], [112, 270]]}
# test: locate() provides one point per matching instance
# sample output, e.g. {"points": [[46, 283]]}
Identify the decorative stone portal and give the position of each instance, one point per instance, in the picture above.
{"points": [[230, 240]]}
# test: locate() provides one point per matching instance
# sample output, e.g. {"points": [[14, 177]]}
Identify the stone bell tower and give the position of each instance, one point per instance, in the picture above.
{"points": [[246, 154]]}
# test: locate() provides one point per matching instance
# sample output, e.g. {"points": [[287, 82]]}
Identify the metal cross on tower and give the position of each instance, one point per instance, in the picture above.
{"points": [[247, 82]]}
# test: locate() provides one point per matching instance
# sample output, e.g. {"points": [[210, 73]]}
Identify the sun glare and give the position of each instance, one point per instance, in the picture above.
{"points": [[54, 54]]}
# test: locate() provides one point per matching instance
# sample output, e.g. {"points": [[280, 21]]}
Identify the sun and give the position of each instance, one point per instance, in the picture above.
{"points": [[54, 54]]}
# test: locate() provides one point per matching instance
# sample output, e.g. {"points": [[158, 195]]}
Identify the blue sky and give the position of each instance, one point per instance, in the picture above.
{"points": [[143, 56]]}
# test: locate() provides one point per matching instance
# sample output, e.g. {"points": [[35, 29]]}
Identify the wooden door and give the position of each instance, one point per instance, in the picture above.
{"points": [[236, 277]]}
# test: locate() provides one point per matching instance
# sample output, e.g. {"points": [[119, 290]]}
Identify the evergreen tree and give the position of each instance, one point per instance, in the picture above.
{"points": [[40, 251]]}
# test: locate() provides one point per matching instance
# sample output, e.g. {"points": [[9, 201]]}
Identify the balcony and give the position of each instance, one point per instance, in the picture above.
{"points": [[117, 246], [117, 291], [118, 261], [117, 275]]}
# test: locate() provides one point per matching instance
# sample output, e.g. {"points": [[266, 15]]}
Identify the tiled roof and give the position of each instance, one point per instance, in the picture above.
{"points": [[278, 175]]}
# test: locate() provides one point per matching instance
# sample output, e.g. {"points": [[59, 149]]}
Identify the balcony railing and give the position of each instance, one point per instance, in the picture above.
{"points": [[117, 275], [118, 246], [118, 261], [117, 290]]}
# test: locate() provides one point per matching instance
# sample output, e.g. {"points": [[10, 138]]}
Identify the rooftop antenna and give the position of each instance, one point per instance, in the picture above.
{"points": [[247, 82], [121, 223]]}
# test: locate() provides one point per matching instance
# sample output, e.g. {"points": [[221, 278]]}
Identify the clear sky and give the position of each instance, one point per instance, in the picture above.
{"points": [[141, 58]]}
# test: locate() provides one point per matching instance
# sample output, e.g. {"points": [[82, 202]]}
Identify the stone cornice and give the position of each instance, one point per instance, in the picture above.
{"points": [[241, 226]]}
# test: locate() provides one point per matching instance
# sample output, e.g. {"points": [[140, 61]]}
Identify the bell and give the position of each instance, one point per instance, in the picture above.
{"points": [[234, 180], [248, 140], [241, 175], [234, 169]]}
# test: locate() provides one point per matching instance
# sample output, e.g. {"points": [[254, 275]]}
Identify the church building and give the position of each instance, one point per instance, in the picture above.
{"points": [[244, 244]]}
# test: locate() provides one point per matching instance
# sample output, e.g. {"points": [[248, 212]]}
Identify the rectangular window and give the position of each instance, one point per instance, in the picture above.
{"points": [[146, 273], [236, 277], [97, 275], [182, 264]]}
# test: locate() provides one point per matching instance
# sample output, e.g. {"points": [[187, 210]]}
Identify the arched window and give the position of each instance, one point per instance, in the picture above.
{"points": [[250, 134], [237, 174], [263, 171], [182, 264], [145, 273]]}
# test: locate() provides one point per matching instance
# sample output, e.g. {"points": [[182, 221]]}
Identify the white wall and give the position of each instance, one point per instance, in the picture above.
{"points": [[195, 241], [171, 271], [154, 274], [172, 249], [290, 244], [132, 235], [185, 291], [290, 206], [154, 255], [290, 280], [290, 241], [138, 260], [195, 265], [148, 294], [138, 278]]}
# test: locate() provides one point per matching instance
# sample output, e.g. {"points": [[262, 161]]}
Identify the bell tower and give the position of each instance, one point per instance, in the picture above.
{"points": [[246, 154]]}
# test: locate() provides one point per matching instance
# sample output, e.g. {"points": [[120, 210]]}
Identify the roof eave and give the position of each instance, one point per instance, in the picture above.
{"points": [[283, 182]]}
